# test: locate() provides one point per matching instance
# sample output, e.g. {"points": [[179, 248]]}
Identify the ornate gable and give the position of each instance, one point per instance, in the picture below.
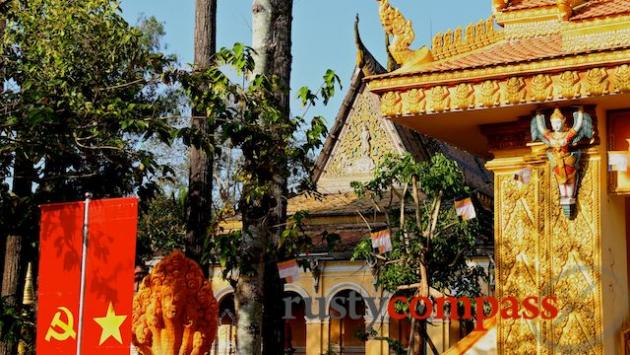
{"points": [[364, 140]]}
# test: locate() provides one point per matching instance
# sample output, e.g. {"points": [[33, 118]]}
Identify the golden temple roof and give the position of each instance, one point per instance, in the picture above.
{"points": [[527, 53], [528, 4], [602, 8]]}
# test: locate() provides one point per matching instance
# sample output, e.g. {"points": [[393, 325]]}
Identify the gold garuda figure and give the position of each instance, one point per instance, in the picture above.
{"points": [[559, 140]]}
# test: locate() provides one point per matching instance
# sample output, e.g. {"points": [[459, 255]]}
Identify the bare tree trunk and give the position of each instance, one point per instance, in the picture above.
{"points": [[199, 211], [272, 25], [2, 26]]}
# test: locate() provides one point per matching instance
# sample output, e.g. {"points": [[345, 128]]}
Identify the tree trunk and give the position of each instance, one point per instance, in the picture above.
{"points": [[271, 39], [199, 211], [2, 245], [248, 294], [15, 259]]}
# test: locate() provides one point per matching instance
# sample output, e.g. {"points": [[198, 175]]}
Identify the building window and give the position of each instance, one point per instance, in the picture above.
{"points": [[225, 343], [295, 329], [347, 323]]}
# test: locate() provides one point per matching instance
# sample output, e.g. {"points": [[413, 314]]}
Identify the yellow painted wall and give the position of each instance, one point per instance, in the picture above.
{"points": [[338, 276]]}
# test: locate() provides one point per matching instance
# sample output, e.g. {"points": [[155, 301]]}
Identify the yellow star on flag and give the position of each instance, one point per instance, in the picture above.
{"points": [[111, 325]]}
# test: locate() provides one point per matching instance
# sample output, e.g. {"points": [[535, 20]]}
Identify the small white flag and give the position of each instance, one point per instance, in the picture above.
{"points": [[617, 161], [381, 240], [289, 270], [465, 209]]}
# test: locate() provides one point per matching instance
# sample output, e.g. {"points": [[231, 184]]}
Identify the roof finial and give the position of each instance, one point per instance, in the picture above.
{"points": [[401, 31], [365, 60]]}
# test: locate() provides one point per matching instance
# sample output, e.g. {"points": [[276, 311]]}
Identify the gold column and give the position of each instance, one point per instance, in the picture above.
{"points": [[539, 252]]}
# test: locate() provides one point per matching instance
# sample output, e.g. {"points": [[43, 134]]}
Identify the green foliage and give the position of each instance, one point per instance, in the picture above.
{"points": [[431, 234], [162, 225], [16, 325], [83, 91], [246, 116], [85, 88]]}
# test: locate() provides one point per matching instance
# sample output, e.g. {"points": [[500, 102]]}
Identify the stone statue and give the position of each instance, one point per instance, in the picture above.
{"points": [[365, 163], [559, 140], [174, 311]]}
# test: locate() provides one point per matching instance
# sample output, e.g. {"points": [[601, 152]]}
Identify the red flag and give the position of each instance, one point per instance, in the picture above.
{"points": [[59, 278], [109, 278]]}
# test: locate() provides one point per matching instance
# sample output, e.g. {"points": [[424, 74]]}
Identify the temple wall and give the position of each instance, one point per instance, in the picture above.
{"points": [[338, 276], [615, 299], [540, 252]]}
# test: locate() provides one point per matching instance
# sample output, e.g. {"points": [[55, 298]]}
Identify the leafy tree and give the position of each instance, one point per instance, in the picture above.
{"points": [[430, 243], [248, 117], [84, 89], [162, 226]]}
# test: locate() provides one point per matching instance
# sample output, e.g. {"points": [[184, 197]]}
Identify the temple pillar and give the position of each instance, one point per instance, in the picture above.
{"points": [[315, 336], [540, 252]]}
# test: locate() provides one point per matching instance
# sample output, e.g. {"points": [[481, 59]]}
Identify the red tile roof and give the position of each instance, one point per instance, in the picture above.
{"points": [[504, 52], [528, 4], [599, 8]]}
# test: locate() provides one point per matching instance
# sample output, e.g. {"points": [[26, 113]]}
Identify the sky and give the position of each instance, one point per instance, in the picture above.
{"points": [[323, 34]]}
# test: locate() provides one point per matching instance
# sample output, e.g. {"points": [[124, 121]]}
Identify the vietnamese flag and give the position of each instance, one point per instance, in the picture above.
{"points": [[109, 277], [59, 278]]}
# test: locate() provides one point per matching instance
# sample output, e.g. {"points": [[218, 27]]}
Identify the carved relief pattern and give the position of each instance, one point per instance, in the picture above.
{"points": [[363, 141], [569, 84], [575, 267], [596, 82], [541, 87], [413, 101], [540, 252], [439, 99], [510, 91], [520, 230], [464, 97], [391, 103], [622, 78], [514, 91], [489, 93]]}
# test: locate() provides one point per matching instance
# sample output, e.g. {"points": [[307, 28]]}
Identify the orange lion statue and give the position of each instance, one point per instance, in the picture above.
{"points": [[174, 311]]}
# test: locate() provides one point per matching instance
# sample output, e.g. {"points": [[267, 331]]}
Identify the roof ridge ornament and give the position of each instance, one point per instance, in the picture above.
{"points": [[401, 29], [478, 35], [365, 60]]}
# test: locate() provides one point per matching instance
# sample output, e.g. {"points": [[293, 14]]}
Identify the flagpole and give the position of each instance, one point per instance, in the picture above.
{"points": [[86, 207]]}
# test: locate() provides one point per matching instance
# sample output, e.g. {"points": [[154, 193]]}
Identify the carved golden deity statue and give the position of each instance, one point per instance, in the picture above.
{"points": [[559, 140]]}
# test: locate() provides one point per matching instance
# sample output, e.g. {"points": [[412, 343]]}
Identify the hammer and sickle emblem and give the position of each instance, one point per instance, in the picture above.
{"points": [[60, 330]]}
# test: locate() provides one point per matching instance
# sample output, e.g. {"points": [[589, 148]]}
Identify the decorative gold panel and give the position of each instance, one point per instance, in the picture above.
{"points": [[363, 142], [541, 253], [513, 90]]}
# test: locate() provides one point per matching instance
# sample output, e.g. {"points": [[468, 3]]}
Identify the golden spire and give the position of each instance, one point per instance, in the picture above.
{"points": [[365, 60], [29, 289]]}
